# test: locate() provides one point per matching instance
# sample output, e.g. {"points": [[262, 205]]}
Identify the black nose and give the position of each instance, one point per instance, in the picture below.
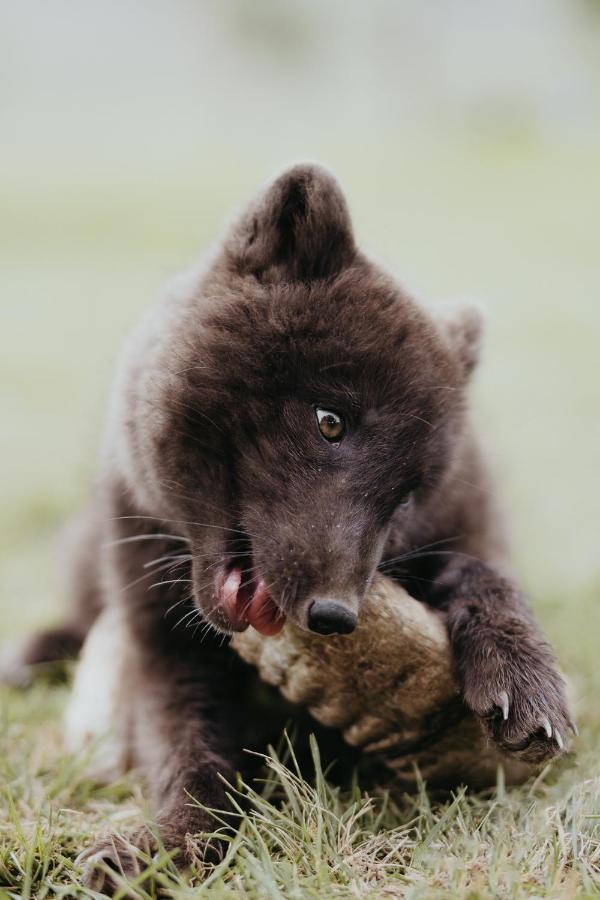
{"points": [[330, 617]]}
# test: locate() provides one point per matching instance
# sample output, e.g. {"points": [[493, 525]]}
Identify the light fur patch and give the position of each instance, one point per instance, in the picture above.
{"points": [[96, 719]]}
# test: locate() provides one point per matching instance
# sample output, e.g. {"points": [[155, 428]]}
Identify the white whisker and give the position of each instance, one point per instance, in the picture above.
{"points": [[184, 522], [184, 557], [145, 537], [171, 581]]}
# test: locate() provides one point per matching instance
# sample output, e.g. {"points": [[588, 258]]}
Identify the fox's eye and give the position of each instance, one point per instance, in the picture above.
{"points": [[404, 499], [331, 425]]}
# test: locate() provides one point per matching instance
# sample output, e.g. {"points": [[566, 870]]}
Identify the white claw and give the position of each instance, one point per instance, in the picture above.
{"points": [[503, 701], [545, 723], [559, 740]]}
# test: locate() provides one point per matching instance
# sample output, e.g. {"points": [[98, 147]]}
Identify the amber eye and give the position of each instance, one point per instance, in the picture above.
{"points": [[331, 425]]}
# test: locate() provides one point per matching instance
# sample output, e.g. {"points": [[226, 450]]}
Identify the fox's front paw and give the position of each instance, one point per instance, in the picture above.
{"points": [[110, 865], [521, 703]]}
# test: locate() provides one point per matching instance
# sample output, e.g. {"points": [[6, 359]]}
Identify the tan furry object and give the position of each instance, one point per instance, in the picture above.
{"points": [[389, 686]]}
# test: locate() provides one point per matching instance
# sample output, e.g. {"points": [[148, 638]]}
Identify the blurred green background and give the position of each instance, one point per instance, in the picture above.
{"points": [[467, 137]]}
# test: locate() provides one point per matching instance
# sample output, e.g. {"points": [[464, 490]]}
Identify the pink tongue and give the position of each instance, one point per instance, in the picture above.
{"points": [[262, 612], [250, 604]]}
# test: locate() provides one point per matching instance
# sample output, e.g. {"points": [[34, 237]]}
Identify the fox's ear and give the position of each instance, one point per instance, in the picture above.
{"points": [[463, 324], [299, 229]]}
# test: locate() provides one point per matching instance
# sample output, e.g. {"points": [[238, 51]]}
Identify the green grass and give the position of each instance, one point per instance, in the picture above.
{"points": [[512, 222], [301, 838]]}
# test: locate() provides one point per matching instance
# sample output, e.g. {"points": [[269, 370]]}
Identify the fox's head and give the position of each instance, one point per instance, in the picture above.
{"points": [[292, 405]]}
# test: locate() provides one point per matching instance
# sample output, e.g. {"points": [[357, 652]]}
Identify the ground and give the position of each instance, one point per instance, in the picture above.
{"points": [[513, 222]]}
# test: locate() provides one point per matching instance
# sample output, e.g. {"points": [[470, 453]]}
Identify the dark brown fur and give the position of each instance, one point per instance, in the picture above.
{"points": [[212, 438]]}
